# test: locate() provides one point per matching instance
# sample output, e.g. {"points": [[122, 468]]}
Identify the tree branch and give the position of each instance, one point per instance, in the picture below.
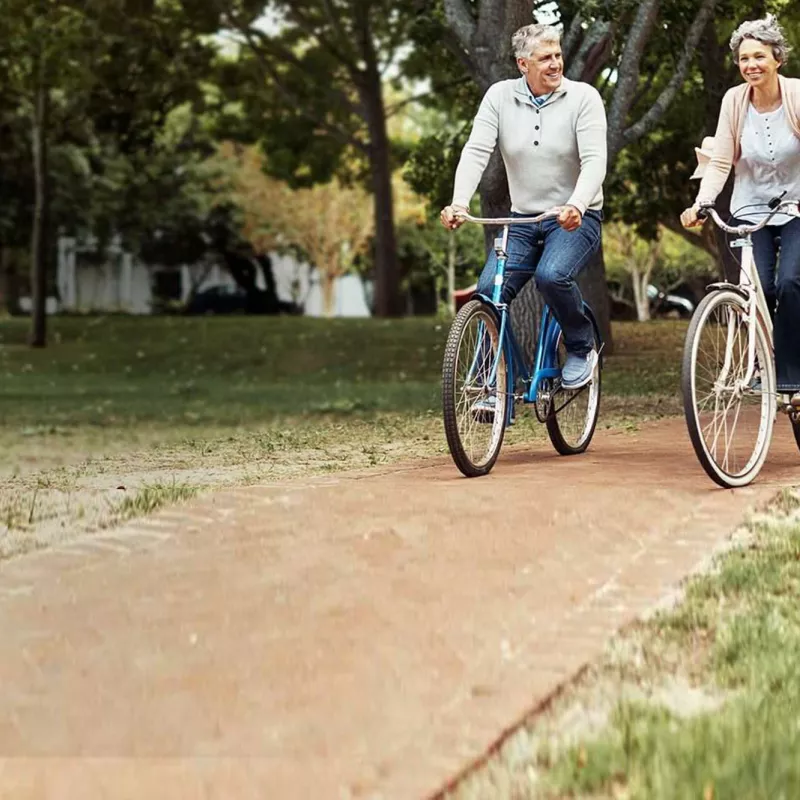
{"points": [[460, 21], [628, 74], [572, 37], [273, 46], [596, 43], [393, 109], [452, 43], [269, 70], [314, 30], [659, 107]]}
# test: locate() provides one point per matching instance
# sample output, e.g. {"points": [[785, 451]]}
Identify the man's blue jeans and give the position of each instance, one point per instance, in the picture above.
{"points": [[556, 257], [779, 246]]}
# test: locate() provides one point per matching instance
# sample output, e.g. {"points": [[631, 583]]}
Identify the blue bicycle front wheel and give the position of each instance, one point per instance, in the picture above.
{"points": [[475, 391]]}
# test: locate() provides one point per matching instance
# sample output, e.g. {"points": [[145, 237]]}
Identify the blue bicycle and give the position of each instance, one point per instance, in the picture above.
{"points": [[485, 373]]}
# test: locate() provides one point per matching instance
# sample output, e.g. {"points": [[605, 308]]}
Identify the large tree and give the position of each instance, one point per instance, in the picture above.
{"points": [[90, 76], [311, 89]]}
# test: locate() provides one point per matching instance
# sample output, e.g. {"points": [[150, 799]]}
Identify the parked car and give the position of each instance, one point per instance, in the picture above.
{"points": [[668, 305], [218, 299], [224, 298], [662, 304]]}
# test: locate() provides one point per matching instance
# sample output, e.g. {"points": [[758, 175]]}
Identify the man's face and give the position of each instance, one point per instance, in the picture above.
{"points": [[544, 69]]}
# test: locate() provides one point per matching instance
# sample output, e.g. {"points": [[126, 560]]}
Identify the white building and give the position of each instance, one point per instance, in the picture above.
{"points": [[118, 282]]}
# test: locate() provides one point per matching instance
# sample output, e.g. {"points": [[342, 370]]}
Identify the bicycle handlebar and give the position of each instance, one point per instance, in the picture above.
{"points": [[508, 220], [787, 207]]}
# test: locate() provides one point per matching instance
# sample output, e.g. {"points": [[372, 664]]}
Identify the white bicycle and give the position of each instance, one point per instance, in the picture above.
{"points": [[728, 377]]}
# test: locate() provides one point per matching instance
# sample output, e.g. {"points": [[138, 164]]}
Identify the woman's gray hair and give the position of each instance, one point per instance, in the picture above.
{"points": [[525, 40], [767, 31]]}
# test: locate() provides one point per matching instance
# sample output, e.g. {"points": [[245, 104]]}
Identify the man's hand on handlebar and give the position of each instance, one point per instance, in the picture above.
{"points": [[450, 216], [569, 218]]}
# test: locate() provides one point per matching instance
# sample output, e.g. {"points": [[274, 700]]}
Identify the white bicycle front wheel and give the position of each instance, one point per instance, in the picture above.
{"points": [[729, 423]]}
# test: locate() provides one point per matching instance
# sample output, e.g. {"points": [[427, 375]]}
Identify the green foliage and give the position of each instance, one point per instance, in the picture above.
{"points": [[116, 71], [676, 260], [424, 251], [309, 89]]}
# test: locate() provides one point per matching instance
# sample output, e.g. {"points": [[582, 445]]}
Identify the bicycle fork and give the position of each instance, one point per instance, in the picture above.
{"points": [[750, 319]]}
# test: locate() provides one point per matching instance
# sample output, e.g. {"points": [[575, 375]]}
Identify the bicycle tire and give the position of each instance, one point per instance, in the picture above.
{"points": [[457, 401], [563, 405], [721, 473]]}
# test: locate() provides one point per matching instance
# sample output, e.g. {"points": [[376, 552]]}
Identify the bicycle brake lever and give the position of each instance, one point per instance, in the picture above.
{"points": [[776, 201]]}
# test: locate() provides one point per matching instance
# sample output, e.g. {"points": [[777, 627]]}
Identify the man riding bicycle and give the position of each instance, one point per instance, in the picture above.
{"points": [[552, 137]]}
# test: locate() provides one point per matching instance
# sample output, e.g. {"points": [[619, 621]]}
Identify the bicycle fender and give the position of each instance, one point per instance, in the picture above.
{"points": [[713, 287]]}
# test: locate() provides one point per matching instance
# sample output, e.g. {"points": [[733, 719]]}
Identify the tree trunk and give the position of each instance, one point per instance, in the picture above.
{"points": [[718, 75], [328, 286], [594, 288], [640, 282], [41, 108], [8, 267], [387, 274]]}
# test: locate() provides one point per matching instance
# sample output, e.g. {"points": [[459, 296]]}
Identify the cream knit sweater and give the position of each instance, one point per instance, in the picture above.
{"points": [[554, 155]]}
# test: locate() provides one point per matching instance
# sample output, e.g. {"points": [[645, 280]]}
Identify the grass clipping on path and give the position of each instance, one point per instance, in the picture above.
{"points": [[151, 497], [702, 700]]}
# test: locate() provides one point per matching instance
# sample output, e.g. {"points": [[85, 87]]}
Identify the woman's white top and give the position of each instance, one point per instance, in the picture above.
{"points": [[768, 166]]}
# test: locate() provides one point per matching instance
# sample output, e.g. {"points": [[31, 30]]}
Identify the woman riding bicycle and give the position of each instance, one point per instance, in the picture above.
{"points": [[758, 133]]}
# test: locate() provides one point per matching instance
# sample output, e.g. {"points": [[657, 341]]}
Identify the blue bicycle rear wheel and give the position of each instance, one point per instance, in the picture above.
{"points": [[573, 413]]}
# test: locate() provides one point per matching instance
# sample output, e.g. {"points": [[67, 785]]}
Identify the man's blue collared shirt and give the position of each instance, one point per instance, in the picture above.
{"points": [[538, 101]]}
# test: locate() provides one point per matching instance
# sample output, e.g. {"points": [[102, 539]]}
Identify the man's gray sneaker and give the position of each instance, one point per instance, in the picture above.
{"points": [[483, 409], [578, 370]]}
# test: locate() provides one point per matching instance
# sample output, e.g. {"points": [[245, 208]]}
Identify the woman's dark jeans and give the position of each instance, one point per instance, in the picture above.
{"points": [[779, 246]]}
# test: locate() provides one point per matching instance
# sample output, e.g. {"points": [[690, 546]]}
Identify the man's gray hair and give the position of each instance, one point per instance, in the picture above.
{"points": [[526, 39], [767, 31]]}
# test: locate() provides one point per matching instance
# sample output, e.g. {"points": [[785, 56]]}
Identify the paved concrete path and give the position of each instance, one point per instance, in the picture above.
{"points": [[348, 636]]}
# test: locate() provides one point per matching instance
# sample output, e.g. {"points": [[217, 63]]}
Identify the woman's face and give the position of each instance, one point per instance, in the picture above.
{"points": [[757, 63]]}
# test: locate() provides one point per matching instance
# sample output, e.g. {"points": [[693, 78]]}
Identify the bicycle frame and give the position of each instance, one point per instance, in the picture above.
{"points": [[752, 290], [751, 287], [544, 366]]}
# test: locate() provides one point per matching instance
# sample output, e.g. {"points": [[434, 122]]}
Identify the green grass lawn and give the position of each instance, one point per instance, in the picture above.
{"points": [[170, 406], [119, 372]]}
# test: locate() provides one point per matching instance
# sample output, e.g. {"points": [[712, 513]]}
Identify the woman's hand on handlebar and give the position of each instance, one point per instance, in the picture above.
{"points": [[690, 218]]}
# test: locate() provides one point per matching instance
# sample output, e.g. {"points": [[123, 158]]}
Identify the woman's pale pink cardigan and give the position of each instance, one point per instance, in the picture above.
{"points": [[727, 139]]}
